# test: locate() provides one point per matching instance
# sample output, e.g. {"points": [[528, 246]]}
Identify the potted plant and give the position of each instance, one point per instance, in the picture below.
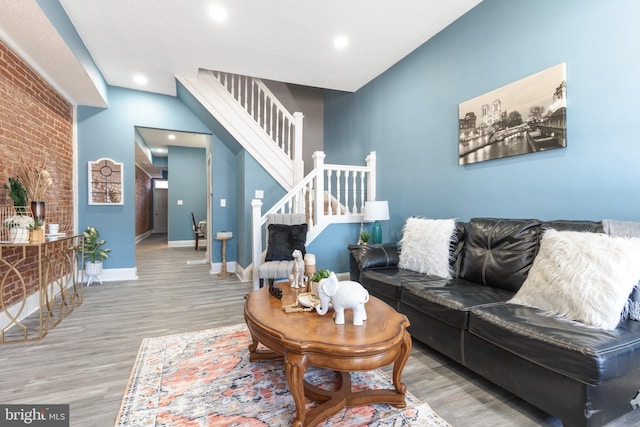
{"points": [[315, 279], [36, 232], [364, 237], [94, 251], [18, 194], [18, 226]]}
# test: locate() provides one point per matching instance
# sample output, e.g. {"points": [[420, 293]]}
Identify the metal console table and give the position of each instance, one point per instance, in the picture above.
{"points": [[56, 286]]}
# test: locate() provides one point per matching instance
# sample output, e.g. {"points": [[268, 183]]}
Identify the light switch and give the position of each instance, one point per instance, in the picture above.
{"points": [[180, 202], [223, 203], [259, 194]]}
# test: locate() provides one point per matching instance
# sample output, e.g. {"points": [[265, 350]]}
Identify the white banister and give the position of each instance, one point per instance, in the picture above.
{"points": [[298, 164], [318, 196], [371, 182], [343, 188], [256, 244]]}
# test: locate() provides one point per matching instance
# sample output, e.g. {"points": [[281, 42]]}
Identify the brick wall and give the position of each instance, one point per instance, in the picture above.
{"points": [[36, 124]]}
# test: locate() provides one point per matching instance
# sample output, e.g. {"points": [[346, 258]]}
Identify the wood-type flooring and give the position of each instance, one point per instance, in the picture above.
{"points": [[87, 359]]}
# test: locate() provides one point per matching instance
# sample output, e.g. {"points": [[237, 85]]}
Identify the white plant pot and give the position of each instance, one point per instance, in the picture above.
{"points": [[93, 268], [19, 235]]}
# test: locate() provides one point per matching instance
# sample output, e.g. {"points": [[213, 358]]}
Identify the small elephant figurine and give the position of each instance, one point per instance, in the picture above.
{"points": [[345, 294]]}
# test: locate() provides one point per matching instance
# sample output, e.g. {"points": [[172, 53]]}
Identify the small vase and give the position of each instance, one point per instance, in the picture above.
{"points": [[38, 209], [19, 235], [36, 235]]}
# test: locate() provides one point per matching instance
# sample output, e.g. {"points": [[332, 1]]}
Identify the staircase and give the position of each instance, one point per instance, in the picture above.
{"points": [[329, 194], [256, 119], [249, 111]]}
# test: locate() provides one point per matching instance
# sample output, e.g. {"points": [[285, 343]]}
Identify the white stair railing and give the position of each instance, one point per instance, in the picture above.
{"points": [[330, 193], [284, 128]]}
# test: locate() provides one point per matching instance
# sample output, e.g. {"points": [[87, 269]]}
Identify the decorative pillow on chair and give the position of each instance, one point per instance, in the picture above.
{"points": [[283, 239], [425, 246], [585, 277]]}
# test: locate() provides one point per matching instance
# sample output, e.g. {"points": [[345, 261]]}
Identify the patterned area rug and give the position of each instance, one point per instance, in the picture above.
{"points": [[204, 378]]}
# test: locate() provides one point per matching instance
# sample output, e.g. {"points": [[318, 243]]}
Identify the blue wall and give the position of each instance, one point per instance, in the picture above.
{"points": [[111, 133], [409, 115], [188, 183]]}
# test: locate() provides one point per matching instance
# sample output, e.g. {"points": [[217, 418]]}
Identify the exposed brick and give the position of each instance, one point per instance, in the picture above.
{"points": [[35, 121]]}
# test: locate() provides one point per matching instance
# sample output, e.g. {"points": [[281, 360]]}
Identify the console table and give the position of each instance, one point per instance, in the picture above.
{"points": [[46, 277]]}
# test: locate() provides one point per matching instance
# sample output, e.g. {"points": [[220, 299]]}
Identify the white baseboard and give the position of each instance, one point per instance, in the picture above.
{"points": [[32, 304], [181, 243], [115, 274], [216, 267]]}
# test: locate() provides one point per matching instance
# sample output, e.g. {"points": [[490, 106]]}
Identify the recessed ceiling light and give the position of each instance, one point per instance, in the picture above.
{"points": [[218, 13], [341, 42], [140, 79], [171, 136]]}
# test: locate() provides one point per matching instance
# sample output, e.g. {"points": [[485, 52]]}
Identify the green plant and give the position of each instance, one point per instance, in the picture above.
{"points": [[37, 223], [364, 236], [93, 249], [17, 192], [319, 275]]}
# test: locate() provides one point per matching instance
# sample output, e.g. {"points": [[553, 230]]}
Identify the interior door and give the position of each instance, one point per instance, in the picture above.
{"points": [[160, 208]]}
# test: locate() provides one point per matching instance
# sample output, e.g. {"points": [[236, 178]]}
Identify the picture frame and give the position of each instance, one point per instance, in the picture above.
{"points": [[526, 116], [105, 182]]}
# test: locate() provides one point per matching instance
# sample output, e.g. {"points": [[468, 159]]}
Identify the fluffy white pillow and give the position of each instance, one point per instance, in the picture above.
{"points": [[586, 277], [424, 246]]}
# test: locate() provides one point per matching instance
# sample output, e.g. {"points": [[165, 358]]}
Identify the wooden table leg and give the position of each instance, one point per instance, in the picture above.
{"points": [[398, 366], [295, 366]]}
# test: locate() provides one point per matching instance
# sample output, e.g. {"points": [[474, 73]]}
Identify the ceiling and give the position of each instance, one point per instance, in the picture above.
{"points": [[289, 41], [159, 140], [285, 40]]}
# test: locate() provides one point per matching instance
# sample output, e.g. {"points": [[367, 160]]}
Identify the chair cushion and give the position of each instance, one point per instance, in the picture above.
{"points": [[275, 269], [284, 239]]}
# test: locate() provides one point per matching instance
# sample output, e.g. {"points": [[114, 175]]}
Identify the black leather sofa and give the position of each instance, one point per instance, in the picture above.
{"points": [[579, 374]]}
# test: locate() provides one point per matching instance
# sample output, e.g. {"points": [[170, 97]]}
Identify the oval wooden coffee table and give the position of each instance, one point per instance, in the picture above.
{"points": [[308, 339]]}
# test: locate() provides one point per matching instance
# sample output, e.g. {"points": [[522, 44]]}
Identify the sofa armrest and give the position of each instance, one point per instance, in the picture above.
{"points": [[363, 257]]}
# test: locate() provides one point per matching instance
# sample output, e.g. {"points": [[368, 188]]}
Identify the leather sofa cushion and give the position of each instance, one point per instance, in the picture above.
{"points": [[449, 300], [499, 252], [386, 283], [586, 354], [375, 256]]}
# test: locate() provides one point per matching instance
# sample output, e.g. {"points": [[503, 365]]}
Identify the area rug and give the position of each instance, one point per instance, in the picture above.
{"points": [[204, 378]]}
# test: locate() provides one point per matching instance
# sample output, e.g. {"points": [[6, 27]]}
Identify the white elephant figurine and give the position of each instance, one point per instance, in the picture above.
{"points": [[342, 295]]}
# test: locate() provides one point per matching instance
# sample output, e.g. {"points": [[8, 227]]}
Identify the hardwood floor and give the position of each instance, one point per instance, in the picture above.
{"points": [[86, 361]]}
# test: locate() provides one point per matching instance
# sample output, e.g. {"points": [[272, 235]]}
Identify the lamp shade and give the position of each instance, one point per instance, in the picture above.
{"points": [[376, 210]]}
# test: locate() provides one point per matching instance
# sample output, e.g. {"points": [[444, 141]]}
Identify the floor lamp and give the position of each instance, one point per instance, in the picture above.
{"points": [[376, 211]]}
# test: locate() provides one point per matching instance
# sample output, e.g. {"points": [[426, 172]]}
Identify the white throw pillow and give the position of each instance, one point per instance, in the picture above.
{"points": [[586, 277], [424, 246]]}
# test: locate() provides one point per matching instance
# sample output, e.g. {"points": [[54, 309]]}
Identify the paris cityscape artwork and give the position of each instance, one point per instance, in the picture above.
{"points": [[526, 116]]}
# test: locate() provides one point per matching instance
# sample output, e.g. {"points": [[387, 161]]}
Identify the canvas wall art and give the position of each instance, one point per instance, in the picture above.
{"points": [[525, 116]]}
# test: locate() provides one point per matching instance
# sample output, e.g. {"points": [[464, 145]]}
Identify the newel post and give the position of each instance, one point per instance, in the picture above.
{"points": [[371, 179], [256, 240], [318, 200], [298, 164]]}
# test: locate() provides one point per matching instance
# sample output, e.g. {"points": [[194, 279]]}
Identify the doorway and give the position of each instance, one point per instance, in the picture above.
{"points": [[160, 211]]}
